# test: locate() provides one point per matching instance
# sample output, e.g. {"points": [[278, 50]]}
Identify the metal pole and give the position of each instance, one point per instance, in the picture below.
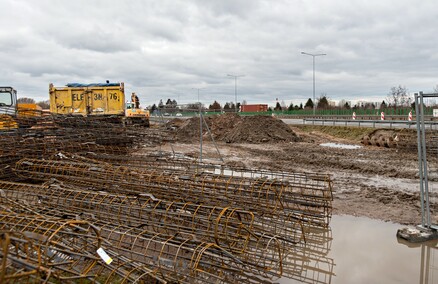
{"points": [[200, 130], [235, 93], [422, 266], [313, 56], [314, 99], [235, 89], [200, 126], [426, 182], [420, 158]]}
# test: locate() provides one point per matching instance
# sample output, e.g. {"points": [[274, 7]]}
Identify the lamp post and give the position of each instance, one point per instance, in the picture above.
{"points": [[235, 87], [313, 55], [200, 126]]}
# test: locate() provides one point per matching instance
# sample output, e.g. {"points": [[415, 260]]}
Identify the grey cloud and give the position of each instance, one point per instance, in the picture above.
{"points": [[165, 48], [240, 8]]}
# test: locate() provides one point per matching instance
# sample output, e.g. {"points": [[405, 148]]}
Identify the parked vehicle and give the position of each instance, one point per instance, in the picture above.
{"points": [[102, 99]]}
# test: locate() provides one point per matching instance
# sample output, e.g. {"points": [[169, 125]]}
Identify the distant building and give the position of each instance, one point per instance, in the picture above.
{"points": [[254, 108], [368, 104]]}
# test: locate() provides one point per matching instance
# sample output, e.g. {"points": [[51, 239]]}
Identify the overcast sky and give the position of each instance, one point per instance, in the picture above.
{"points": [[162, 49]]}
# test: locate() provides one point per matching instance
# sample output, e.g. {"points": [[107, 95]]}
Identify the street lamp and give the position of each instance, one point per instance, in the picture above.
{"points": [[235, 87], [198, 93], [313, 55], [200, 126]]}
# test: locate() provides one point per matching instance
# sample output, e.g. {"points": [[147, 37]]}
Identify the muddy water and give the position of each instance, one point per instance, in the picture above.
{"points": [[362, 250], [340, 146]]}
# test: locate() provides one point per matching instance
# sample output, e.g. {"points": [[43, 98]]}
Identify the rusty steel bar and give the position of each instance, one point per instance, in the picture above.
{"points": [[307, 199], [47, 249], [174, 258], [309, 262], [163, 217], [301, 263], [178, 163], [50, 134], [229, 228]]}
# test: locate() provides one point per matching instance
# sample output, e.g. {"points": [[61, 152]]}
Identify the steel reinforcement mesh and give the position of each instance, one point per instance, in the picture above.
{"points": [[79, 203]]}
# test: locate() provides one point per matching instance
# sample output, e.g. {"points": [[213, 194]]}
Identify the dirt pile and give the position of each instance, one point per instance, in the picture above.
{"points": [[232, 128]]}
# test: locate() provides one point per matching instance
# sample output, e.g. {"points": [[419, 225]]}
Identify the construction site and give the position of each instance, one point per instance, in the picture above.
{"points": [[217, 199]]}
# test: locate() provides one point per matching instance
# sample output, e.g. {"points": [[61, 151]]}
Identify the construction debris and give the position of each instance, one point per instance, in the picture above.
{"points": [[78, 202], [232, 128]]}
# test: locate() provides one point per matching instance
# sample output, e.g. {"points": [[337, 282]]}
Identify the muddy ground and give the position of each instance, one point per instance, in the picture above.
{"points": [[376, 182]]}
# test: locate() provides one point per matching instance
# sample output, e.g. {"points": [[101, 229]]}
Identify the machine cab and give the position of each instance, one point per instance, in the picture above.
{"points": [[129, 105], [8, 100]]}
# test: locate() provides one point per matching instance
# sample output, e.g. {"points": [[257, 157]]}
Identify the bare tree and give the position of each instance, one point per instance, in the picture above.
{"points": [[44, 104], [193, 106], [25, 100], [342, 103], [436, 89], [283, 105], [399, 97]]}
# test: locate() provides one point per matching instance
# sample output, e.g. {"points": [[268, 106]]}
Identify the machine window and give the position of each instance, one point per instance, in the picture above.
{"points": [[5, 99]]}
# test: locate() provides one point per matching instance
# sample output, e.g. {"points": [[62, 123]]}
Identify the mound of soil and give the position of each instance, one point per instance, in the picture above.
{"points": [[232, 128]]}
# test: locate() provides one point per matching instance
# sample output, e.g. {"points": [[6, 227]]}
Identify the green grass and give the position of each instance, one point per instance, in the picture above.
{"points": [[344, 132]]}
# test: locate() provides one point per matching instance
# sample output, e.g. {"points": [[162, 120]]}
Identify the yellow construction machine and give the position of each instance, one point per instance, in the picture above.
{"points": [[8, 108], [134, 114], [15, 115]]}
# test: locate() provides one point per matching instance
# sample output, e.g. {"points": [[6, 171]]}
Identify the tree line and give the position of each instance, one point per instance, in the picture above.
{"points": [[397, 97], [42, 104]]}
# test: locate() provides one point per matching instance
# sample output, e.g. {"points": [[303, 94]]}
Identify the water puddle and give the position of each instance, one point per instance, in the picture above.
{"points": [[361, 250], [340, 146]]}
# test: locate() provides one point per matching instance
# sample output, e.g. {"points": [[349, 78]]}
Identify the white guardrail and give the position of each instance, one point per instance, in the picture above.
{"points": [[369, 123]]}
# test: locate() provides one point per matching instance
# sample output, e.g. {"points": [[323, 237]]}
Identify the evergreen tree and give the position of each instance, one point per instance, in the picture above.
{"points": [[309, 104], [215, 106], [44, 104], [323, 102]]}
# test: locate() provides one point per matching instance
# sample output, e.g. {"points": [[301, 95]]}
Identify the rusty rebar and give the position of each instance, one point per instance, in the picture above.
{"points": [[48, 249], [174, 258], [161, 217], [306, 199], [230, 228]]}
